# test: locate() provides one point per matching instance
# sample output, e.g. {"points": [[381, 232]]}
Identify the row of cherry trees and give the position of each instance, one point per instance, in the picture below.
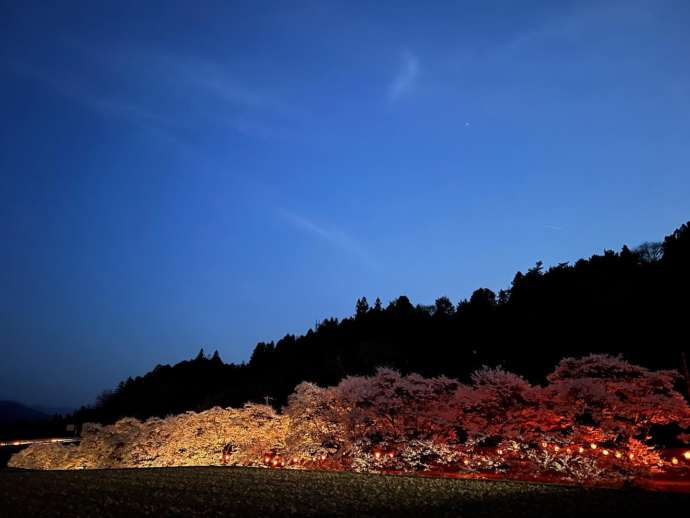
{"points": [[594, 418]]}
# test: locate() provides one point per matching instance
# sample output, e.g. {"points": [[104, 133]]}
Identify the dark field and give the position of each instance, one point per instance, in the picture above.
{"points": [[263, 492]]}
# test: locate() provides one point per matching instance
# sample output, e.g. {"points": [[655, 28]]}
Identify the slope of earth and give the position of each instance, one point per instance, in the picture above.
{"points": [[216, 491]]}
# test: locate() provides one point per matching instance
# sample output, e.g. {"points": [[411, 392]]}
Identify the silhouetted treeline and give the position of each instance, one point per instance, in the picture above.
{"points": [[633, 302]]}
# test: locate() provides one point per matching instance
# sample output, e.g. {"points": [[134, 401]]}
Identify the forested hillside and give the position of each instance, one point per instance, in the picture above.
{"points": [[633, 302]]}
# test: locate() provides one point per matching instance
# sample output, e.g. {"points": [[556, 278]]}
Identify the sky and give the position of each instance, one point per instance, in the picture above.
{"points": [[178, 175]]}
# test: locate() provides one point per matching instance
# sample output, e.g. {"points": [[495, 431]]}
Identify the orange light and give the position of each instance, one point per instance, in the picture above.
{"points": [[674, 461], [544, 445], [500, 452], [568, 451], [390, 454], [593, 446], [377, 454], [323, 457], [267, 459], [631, 456], [618, 455], [556, 448], [605, 452], [275, 462], [581, 449], [294, 460], [465, 462], [686, 455]]}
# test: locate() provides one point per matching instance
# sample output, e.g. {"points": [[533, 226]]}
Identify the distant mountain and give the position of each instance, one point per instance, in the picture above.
{"points": [[13, 412], [52, 410]]}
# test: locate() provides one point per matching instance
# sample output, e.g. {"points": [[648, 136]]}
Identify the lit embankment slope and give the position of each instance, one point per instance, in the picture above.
{"points": [[262, 492]]}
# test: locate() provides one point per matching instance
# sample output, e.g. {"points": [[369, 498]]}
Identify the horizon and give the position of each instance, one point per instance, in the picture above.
{"points": [[179, 177]]}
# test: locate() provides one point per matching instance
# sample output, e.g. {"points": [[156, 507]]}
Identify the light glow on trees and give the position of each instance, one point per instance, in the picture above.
{"points": [[409, 424]]}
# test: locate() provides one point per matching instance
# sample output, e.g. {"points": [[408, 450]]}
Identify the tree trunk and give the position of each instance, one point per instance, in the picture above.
{"points": [[686, 375]]}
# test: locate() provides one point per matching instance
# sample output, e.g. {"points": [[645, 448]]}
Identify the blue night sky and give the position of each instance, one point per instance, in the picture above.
{"points": [[179, 175]]}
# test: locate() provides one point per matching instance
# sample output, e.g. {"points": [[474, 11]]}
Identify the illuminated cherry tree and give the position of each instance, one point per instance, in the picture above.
{"points": [[594, 419]]}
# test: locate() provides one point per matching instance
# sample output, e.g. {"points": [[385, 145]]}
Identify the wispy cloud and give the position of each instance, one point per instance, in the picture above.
{"points": [[167, 93], [405, 79], [553, 227], [88, 95], [330, 235]]}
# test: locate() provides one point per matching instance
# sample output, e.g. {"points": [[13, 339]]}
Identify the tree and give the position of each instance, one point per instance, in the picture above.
{"points": [[362, 307], [483, 298], [622, 400], [377, 304], [650, 252], [443, 307]]}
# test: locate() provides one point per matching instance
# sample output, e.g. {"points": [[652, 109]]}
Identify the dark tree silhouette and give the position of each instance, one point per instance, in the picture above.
{"points": [[362, 307], [632, 302]]}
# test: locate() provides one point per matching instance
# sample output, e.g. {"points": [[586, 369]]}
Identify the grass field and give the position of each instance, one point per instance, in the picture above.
{"points": [[264, 492]]}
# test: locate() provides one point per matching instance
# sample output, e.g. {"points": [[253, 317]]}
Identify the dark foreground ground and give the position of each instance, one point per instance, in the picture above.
{"points": [[264, 492]]}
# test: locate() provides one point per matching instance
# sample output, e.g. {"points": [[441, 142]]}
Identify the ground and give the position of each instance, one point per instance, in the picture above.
{"points": [[209, 491]]}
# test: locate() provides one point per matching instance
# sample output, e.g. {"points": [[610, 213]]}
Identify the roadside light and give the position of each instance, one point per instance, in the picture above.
{"points": [[465, 462], [556, 448], [500, 452], [631, 456], [295, 460], [568, 451], [377, 454], [618, 455], [267, 459], [323, 457], [605, 452], [674, 461], [544, 445], [581, 449], [686, 455], [275, 462], [391, 454], [593, 446]]}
